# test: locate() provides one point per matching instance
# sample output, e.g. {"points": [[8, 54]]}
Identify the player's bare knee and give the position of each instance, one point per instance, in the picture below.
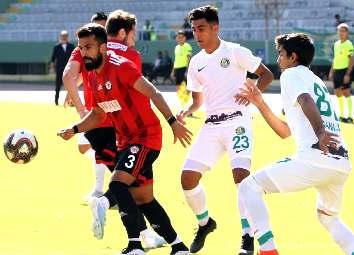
{"points": [[123, 177], [143, 199], [190, 179], [240, 174], [83, 148]]}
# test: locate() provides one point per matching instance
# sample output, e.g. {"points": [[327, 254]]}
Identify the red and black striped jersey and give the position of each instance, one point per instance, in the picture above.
{"points": [[130, 111]]}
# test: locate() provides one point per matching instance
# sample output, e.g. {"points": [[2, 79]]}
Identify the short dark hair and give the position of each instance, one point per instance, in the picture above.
{"points": [[299, 43], [120, 19], [94, 29], [98, 16], [208, 12]]}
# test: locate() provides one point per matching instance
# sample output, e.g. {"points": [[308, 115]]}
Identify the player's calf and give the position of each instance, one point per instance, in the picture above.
{"points": [[161, 223]]}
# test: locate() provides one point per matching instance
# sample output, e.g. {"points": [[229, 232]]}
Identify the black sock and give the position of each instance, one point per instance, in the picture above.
{"points": [[128, 210], [159, 220], [111, 198], [112, 202]]}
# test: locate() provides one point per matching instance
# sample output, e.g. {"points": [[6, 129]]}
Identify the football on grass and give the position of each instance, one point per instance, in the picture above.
{"points": [[20, 146]]}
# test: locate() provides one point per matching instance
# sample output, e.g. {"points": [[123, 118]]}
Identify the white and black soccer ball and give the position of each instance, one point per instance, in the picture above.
{"points": [[20, 146]]}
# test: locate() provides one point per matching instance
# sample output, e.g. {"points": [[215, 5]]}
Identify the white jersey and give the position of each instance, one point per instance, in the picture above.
{"points": [[294, 82], [220, 75]]}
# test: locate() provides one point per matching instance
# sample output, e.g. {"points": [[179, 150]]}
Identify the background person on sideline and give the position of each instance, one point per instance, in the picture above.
{"points": [[341, 70], [183, 54], [60, 56]]}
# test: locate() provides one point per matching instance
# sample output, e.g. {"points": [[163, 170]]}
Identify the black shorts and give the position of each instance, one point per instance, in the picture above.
{"points": [[137, 160], [180, 74], [103, 142], [338, 77]]}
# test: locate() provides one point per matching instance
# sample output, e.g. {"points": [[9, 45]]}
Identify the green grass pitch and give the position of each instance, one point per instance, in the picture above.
{"points": [[41, 214]]}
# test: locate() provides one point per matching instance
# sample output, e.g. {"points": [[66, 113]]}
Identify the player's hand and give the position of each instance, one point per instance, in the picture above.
{"points": [[68, 101], [346, 79], [66, 134], [249, 94], [181, 133], [328, 140], [181, 115]]}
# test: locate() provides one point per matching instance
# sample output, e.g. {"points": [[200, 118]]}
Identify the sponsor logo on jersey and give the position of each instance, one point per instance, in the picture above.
{"points": [[238, 151], [100, 87], [117, 46], [110, 106], [108, 85], [134, 149], [225, 62], [240, 130]]}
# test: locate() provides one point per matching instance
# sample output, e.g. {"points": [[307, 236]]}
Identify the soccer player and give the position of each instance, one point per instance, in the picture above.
{"points": [[321, 160], [215, 74], [100, 139], [104, 136], [183, 54], [341, 71], [121, 30], [121, 93]]}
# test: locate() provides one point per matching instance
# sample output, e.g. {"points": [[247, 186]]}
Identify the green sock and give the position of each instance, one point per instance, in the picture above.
{"points": [[350, 106], [341, 106]]}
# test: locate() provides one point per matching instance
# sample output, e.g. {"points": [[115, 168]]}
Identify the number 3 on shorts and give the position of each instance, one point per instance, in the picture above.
{"points": [[130, 163]]}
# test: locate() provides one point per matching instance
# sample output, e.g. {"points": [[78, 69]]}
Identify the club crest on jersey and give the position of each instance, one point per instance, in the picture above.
{"points": [[240, 130], [134, 149], [108, 85], [225, 62]]}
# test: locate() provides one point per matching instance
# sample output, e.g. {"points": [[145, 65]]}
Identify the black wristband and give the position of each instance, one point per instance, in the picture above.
{"points": [[76, 129], [171, 120]]}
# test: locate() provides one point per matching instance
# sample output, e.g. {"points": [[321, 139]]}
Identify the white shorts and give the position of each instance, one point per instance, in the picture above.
{"points": [[292, 174], [233, 137], [82, 140]]}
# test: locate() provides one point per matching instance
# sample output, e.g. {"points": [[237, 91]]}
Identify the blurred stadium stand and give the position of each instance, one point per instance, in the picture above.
{"points": [[39, 22]]}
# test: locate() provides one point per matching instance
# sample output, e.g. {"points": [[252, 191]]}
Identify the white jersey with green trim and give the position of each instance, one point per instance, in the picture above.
{"points": [[299, 80], [220, 75]]}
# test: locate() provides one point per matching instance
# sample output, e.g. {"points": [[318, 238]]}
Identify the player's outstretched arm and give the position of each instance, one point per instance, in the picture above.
{"points": [[71, 79], [252, 93], [180, 132], [92, 120], [312, 113]]}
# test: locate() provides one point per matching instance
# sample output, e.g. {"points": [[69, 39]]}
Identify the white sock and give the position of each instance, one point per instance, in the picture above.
{"points": [[90, 153], [245, 224], [100, 170], [196, 200], [341, 234], [251, 195]]}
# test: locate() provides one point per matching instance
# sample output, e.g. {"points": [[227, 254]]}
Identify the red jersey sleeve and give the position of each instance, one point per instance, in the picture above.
{"points": [[128, 73], [76, 56]]}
